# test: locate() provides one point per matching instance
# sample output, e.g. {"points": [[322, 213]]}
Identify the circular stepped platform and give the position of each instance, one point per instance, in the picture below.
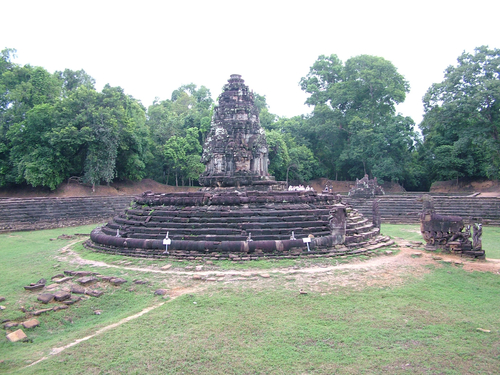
{"points": [[235, 225]]}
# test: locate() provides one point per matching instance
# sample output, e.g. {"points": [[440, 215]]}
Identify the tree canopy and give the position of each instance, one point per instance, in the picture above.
{"points": [[354, 125], [57, 125], [462, 118]]}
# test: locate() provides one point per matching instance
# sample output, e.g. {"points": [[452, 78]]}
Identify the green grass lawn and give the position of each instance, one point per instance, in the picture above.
{"points": [[425, 325]]}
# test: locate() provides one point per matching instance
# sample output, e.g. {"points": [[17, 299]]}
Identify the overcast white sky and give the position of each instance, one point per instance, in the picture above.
{"points": [[150, 48]]}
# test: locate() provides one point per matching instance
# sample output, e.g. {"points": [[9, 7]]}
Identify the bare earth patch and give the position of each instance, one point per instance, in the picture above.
{"points": [[378, 271]]}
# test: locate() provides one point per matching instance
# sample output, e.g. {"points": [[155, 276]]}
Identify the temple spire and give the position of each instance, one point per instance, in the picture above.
{"points": [[235, 152]]}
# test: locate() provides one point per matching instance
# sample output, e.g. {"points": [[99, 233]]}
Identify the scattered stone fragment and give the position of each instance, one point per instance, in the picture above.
{"points": [[58, 276], [117, 281], [82, 273], [51, 287], [42, 311], [72, 301], [65, 237], [2, 299], [161, 292], [61, 307], [77, 289], [458, 262], [97, 312], [139, 282], [483, 330], [10, 325], [189, 267], [209, 262], [106, 278], [86, 280], [34, 287], [418, 255], [388, 252], [63, 280], [437, 258], [220, 275], [199, 268], [265, 275], [62, 296], [16, 336], [302, 291], [69, 273], [197, 277], [211, 279], [94, 293], [32, 323], [45, 298], [40, 282], [166, 267]]}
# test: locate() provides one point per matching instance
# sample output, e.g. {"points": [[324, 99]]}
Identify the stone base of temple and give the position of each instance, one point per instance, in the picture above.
{"points": [[239, 225], [358, 248]]}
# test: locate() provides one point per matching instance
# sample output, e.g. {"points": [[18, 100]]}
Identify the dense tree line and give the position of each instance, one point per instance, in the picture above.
{"points": [[56, 126]]}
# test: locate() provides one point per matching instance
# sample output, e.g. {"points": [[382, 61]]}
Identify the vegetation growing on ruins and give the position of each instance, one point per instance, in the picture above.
{"points": [[54, 126]]}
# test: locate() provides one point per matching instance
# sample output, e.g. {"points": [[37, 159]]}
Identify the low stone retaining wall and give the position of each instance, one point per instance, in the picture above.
{"points": [[405, 209], [42, 213]]}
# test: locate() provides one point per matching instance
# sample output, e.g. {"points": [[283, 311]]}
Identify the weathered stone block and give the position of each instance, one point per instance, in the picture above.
{"points": [[86, 280], [45, 298], [32, 323], [61, 295], [94, 293], [16, 336], [77, 289]]}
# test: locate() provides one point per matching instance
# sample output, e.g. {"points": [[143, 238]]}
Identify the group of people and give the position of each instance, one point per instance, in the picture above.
{"points": [[300, 188], [327, 190]]}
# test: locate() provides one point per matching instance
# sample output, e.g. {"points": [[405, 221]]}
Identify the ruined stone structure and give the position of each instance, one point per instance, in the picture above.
{"points": [[237, 225], [235, 151], [239, 215], [366, 188], [448, 232], [376, 218]]}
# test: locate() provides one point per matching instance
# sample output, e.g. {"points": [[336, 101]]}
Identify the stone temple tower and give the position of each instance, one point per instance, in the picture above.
{"points": [[235, 152]]}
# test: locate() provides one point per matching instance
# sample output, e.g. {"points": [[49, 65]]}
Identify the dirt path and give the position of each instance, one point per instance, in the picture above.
{"points": [[178, 292], [407, 256]]}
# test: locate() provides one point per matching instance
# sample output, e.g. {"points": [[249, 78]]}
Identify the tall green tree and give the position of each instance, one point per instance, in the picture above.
{"points": [[461, 125], [190, 107], [71, 80], [26, 93], [279, 159], [354, 121]]}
